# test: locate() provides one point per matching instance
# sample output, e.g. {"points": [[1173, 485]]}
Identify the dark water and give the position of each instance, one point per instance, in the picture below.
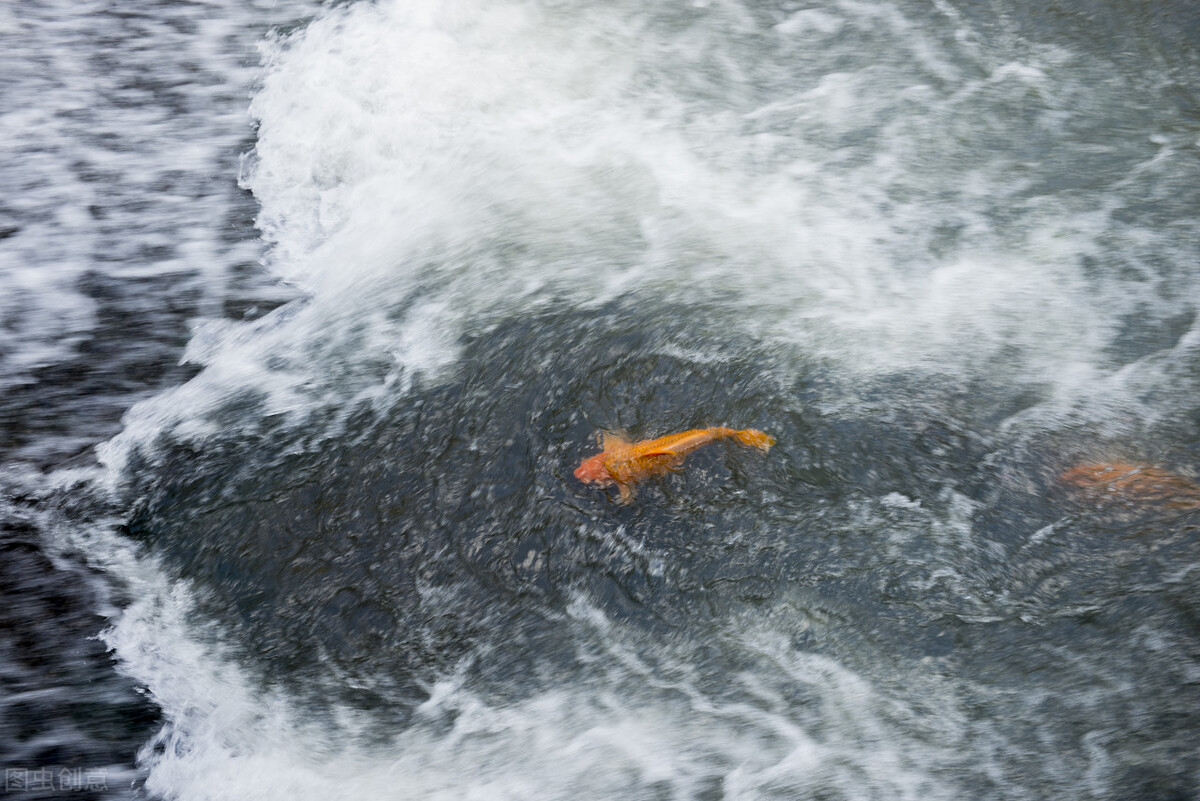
{"points": [[334, 548]]}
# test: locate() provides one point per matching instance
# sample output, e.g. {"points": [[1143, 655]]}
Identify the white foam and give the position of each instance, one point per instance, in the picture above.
{"points": [[631, 729], [505, 155], [810, 19]]}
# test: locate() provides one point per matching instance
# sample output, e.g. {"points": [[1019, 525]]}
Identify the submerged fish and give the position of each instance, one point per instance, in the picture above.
{"points": [[625, 463], [1110, 482]]}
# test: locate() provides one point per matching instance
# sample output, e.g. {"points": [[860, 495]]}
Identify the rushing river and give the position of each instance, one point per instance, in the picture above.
{"points": [[308, 313]]}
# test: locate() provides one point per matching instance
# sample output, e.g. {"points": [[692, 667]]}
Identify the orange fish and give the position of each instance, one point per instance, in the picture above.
{"points": [[625, 463], [1133, 483]]}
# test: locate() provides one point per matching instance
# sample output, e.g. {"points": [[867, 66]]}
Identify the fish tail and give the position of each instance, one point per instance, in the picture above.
{"points": [[754, 438]]}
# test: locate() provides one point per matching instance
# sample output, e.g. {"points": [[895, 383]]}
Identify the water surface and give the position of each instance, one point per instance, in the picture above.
{"points": [[941, 251]]}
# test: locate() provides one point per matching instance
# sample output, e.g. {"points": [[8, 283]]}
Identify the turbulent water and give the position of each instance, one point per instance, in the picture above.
{"points": [[309, 312]]}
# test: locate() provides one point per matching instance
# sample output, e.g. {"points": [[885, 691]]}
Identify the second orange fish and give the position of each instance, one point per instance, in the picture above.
{"points": [[1119, 482]]}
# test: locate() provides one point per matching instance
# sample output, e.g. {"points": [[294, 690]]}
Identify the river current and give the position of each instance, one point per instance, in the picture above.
{"points": [[308, 312]]}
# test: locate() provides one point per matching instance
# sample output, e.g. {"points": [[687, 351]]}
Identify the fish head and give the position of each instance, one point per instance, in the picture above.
{"points": [[593, 471]]}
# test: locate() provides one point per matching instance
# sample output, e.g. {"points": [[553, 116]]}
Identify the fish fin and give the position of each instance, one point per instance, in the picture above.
{"points": [[614, 440], [755, 438], [627, 492]]}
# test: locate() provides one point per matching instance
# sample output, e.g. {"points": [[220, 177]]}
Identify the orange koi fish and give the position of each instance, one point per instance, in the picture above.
{"points": [[1133, 483], [625, 463]]}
